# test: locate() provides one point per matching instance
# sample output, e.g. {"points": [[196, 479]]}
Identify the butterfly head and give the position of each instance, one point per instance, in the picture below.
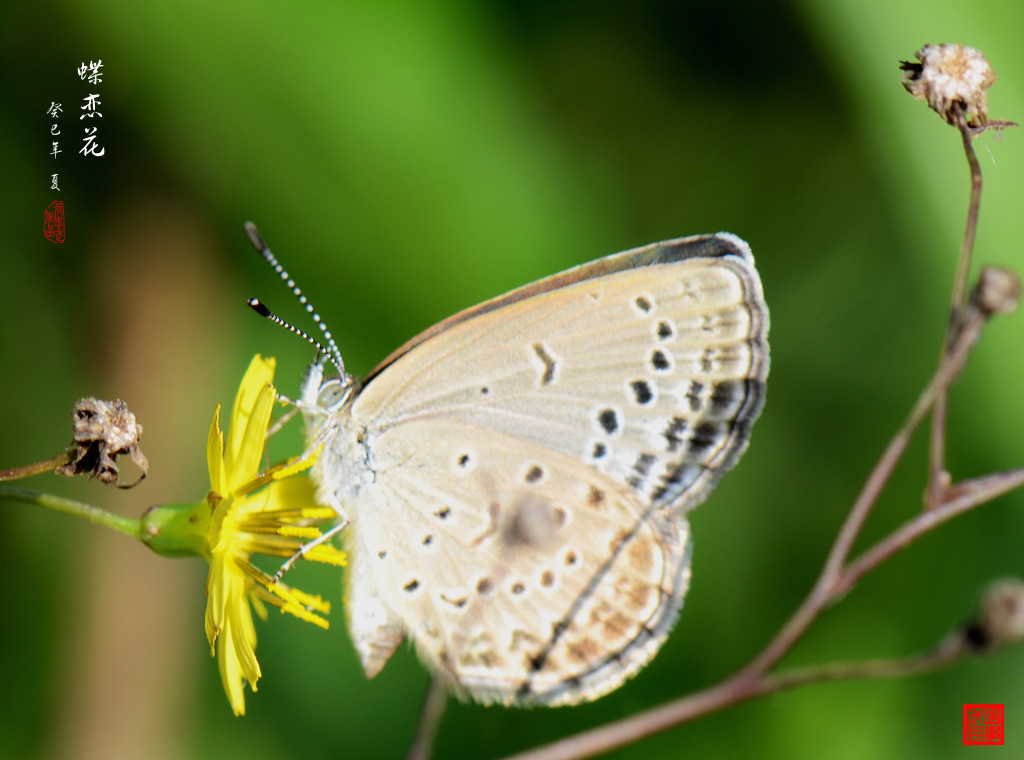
{"points": [[325, 394]]}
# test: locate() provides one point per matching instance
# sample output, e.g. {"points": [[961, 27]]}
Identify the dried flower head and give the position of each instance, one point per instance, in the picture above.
{"points": [[1000, 617], [997, 291], [951, 78], [103, 431]]}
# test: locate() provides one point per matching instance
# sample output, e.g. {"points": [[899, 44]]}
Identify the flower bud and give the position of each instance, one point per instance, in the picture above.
{"points": [[997, 291], [177, 530], [999, 620]]}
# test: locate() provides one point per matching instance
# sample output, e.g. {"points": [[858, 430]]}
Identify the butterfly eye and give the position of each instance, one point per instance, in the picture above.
{"points": [[333, 393]]}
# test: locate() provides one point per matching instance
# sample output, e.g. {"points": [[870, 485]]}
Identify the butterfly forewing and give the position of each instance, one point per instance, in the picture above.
{"points": [[528, 463], [651, 374]]}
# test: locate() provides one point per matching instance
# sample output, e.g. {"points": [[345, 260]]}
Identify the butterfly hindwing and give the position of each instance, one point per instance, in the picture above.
{"points": [[540, 582]]}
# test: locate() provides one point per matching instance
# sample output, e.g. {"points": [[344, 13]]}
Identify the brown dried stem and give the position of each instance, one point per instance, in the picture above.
{"points": [[435, 701], [741, 688], [38, 468], [938, 479]]}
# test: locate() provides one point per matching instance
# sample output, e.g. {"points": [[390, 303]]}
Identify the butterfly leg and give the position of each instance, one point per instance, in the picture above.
{"points": [[307, 547], [283, 420]]}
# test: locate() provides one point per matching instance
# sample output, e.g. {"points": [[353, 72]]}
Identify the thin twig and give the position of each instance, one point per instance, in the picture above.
{"points": [[970, 495], [938, 479], [740, 688], [973, 208], [38, 468], [951, 649], [435, 701], [831, 577]]}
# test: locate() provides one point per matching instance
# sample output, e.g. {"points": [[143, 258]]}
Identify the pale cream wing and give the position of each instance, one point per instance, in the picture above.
{"points": [[578, 417], [649, 365], [545, 583]]}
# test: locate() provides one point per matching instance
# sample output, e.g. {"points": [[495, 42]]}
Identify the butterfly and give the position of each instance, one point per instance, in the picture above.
{"points": [[516, 479]]}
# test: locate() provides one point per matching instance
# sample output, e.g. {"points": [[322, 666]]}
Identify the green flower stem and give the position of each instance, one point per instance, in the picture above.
{"points": [[126, 525]]}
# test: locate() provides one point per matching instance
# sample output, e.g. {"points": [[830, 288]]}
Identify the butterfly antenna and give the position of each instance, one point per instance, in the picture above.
{"points": [[260, 308], [331, 352]]}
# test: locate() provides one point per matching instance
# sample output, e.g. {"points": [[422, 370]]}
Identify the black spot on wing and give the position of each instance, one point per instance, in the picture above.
{"points": [[693, 396], [728, 395], [609, 420], [705, 435], [644, 462], [548, 361], [706, 363], [660, 361], [642, 392], [456, 602], [676, 426]]}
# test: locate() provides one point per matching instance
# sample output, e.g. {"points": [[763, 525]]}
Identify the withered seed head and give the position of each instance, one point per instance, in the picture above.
{"points": [[950, 76], [997, 291], [1000, 617], [103, 430]]}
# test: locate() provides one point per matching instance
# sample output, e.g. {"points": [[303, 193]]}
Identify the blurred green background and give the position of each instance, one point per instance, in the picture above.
{"points": [[408, 159]]}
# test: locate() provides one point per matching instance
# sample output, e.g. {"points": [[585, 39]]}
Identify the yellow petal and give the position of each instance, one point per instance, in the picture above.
{"points": [[296, 492], [215, 454], [259, 374], [232, 678], [243, 638], [246, 462], [216, 589], [258, 607]]}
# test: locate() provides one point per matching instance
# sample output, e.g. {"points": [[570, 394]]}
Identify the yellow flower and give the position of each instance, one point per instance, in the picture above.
{"points": [[246, 513]]}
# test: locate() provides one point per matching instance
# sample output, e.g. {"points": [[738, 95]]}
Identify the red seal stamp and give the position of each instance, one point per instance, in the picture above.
{"points": [[983, 724], [53, 222]]}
